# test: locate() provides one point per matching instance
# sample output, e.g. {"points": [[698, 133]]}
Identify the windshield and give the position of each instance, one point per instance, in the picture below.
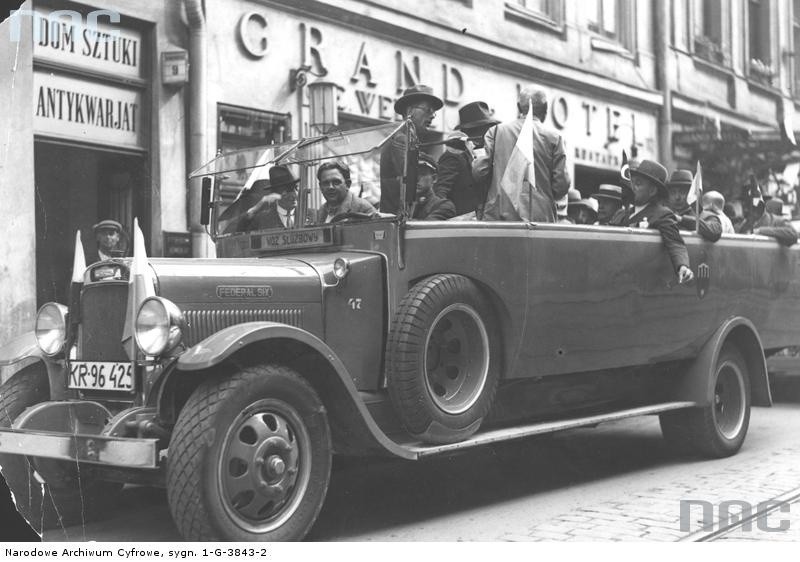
{"points": [[309, 182]]}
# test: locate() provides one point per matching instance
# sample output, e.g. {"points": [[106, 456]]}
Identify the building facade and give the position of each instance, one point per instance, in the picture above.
{"points": [[114, 103]]}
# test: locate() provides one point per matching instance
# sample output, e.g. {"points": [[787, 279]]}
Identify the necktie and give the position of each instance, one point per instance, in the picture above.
{"points": [[290, 219]]}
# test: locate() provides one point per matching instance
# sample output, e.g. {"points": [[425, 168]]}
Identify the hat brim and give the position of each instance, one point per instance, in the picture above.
{"points": [[476, 124], [405, 101], [661, 185], [281, 186], [680, 184], [606, 196]]}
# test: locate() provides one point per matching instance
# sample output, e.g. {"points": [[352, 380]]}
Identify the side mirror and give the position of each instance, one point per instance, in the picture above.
{"points": [[205, 202]]}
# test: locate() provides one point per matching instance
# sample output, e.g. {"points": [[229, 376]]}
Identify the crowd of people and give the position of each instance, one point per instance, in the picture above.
{"points": [[482, 174]]}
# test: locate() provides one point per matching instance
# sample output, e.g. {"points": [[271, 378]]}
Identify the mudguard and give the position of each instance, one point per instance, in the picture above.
{"points": [[350, 412], [697, 386], [19, 349]]}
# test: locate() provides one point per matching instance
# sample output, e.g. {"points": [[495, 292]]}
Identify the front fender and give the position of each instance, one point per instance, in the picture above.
{"points": [[20, 348], [340, 394]]}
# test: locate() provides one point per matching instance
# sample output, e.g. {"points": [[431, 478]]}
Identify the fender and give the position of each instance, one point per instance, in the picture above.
{"points": [[351, 412], [696, 385], [21, 348]]}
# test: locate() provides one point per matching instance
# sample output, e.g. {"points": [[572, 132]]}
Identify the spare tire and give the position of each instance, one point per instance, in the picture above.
{"points": [[443, 359]]}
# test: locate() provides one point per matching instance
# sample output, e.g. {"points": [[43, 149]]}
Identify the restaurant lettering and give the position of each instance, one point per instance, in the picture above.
{"points": [[75, 107]]}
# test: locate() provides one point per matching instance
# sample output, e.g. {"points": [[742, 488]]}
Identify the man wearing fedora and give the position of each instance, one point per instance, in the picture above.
{"points": [[609, 202], [454, 179], [708, 225], [648, 185], [109, 236], [419, 105], [550, 162], [282, 190]]}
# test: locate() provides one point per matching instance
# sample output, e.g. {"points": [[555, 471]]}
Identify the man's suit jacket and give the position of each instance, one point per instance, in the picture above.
{"points": [[454, 181], [774, 226], [433, 208], [267, 219], [351, 204], [549, 162], [662, 219]]}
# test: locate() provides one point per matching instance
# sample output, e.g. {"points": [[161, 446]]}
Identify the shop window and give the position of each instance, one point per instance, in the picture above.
{"points": [[710, 31], [548, 14], [796, 45], [239, 128], [612, 21], [761, 65]]}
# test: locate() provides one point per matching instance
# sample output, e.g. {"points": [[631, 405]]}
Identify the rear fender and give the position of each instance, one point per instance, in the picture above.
{"points": [[697, 384], [352, 425]]}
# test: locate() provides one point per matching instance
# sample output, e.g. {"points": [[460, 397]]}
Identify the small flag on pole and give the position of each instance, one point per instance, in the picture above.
{"points": [[78, 270], [625, 169], [695, 195], [140, 286]]}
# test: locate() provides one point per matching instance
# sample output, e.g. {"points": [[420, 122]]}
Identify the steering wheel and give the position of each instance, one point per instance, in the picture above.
{"points": [[352, 216]]}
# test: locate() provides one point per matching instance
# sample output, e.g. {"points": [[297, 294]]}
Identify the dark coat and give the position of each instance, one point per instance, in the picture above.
{"points": [[710, 227], [266, 219], [662, 219], [351, 204], [392, 166], [433, 208], [771, 225], [454, 181]]}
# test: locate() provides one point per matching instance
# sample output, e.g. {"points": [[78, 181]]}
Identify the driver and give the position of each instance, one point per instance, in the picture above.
{"points": [[334, 182]]}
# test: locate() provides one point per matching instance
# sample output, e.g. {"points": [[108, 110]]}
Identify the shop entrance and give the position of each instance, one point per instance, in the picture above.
{"points": [[77, 187]]}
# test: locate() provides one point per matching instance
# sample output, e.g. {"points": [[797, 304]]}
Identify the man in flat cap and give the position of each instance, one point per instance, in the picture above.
{"points": [[649, 188], [454, 179], [108, 234], [428, 206], [419, 105], [708, 225]]}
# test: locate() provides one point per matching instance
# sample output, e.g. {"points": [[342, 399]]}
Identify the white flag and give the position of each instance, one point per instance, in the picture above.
{"points": [[140, 286], [696, 190]]}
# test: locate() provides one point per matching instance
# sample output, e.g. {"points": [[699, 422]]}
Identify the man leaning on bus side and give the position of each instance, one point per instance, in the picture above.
{"points": [[648, 184]]}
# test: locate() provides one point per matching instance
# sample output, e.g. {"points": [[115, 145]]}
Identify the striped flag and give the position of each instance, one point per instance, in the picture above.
{"points": [[140, 286], [513, 200]]}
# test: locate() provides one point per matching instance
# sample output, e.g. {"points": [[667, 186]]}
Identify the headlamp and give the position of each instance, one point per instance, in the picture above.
{"points": [[341, 267], [159, 326], [51, 328]]}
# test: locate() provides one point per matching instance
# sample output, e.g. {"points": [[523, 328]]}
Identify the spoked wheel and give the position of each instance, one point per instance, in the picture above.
{"points": [[250, 458], [443, 359], [261, 476], [456, 361], [717, 429]]}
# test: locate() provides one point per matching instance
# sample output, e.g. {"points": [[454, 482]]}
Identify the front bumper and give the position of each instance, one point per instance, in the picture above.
{"points": [[81, 431], [96, 449]]}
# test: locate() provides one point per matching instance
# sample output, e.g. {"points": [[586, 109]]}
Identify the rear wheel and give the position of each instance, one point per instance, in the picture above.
{"points": [[719, 428], [443, 364], [48, 493], [250, 458]]}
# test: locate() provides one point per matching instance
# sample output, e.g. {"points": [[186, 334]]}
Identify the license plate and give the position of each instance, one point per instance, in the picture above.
{"points": [[288, 239], [101, 375]]}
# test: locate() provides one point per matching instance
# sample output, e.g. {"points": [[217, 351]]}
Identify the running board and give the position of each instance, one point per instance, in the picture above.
{"points": [[420, 450]]}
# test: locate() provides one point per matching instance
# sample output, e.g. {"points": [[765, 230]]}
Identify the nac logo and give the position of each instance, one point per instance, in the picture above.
{"points": [[60, 22]]}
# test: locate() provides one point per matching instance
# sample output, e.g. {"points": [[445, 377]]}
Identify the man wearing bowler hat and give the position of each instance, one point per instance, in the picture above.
{"points": [[419, 105], [108, 234], [648, 185], [609, 202], [678, 186], [454, 179], [282, 191]]}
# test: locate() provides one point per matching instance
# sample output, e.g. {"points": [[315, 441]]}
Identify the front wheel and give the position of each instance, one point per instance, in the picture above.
{"points": [[250, 458], [717, 429]]}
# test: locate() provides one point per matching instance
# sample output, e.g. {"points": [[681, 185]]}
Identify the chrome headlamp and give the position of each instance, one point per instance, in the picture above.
{"points": [[51, 328], [159, 326], [341, 267]]}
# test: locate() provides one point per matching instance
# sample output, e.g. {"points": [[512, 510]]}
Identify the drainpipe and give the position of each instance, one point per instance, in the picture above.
{"points": [[198, 123], [662, 24]]}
